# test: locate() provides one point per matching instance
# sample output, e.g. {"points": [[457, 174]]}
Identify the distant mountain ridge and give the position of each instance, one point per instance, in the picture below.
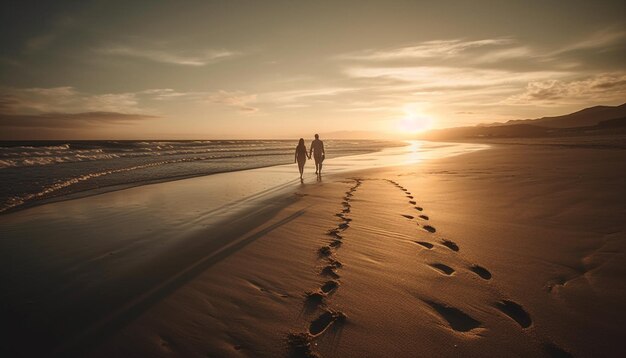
{"points": [[583, 118], [598, 120]]}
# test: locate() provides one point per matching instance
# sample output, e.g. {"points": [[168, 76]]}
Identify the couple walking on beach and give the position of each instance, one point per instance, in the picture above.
{"points": [[317, 149]]}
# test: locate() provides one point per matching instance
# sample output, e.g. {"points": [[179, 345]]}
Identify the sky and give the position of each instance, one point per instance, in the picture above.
{"points": [[287, 69]]}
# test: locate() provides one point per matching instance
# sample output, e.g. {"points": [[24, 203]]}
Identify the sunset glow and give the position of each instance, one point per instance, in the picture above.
{"points": [[280, 178], [249, 70], [414, 122]]}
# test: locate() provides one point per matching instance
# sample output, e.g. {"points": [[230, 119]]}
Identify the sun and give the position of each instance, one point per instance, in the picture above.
{"points": [[414, 122], [414, 125]]}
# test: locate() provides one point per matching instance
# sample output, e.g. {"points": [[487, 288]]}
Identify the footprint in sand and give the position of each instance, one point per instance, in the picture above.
{"points": [[445, 269], [419, 208], [427, 245], [424, 217], [409, 196], [325, 251], [335, 243], [346, 210], [329, 271], [408, 216], [457, 319], [325, 320], [429, 228], [481, 271], [334, 233], [514, 311], [315, 298], [300, 345], [329, 286], [412, 202], [343, 226], [450, 244], [334, 263]]}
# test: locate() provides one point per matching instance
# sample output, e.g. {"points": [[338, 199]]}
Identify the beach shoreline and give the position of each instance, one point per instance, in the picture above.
{"points": [[393, 283], [75, 169]]}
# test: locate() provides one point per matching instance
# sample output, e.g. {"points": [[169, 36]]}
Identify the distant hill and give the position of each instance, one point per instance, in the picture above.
{"points": [[599, 120], [583, 118]]}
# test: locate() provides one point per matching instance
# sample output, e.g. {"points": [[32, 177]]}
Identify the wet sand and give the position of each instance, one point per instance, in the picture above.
{"points": [[512, 251]]}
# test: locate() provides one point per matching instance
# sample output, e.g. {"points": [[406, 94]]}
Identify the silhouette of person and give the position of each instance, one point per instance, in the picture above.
{"points": [[301, 156], [317, 148]]}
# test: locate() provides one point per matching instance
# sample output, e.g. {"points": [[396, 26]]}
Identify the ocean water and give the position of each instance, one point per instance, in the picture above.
{"points": [[37, 171]]}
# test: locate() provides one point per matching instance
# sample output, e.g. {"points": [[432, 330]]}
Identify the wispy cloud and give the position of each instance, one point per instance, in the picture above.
{"points": [[163, 94], [598, 40], [183, 58], [500, 55], [68, 99], [239, 100], [472, 77], [307, 93], [427, 49], [66, 108], [57, 120], [604, 87], [449, 77]]}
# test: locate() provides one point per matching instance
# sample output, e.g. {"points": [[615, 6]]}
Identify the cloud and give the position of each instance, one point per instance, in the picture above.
{"points": [[8, 103], [68, 100], [598, 40], [66, 108], [307, 93], [238, 100], [163, 94], [56, 120], [598, 88], [448, 77], [183, 58], [427, 49], [457, 75], [500, 55]]}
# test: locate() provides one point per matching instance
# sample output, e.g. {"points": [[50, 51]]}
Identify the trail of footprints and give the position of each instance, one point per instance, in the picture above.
{"points": [[300, 343], [451, 245], [457, 319]]}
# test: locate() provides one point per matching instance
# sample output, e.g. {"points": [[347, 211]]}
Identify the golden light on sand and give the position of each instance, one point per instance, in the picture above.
{"points": [[414, 154]]}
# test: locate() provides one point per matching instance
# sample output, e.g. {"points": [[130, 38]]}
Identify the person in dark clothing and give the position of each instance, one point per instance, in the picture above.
{"points": [[301, 156], [317, 149]]}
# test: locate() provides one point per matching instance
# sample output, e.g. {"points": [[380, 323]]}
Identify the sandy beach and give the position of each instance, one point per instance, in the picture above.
{"points": [[160, 192], [515, 250]]}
